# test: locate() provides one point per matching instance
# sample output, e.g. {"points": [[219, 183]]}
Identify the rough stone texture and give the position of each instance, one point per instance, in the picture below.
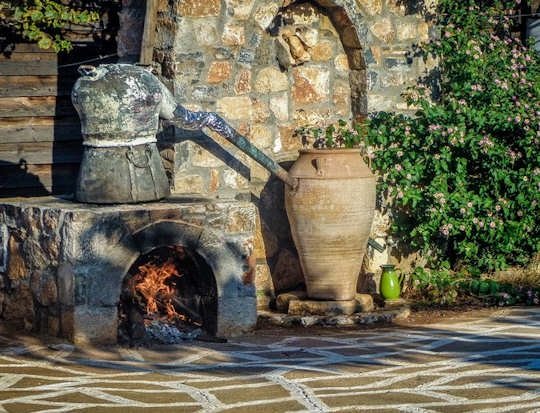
{"points": [[270, 79], [77, 255], [219, 72], [364, 303], [379, 316], [283, 299], [199, 8], [311, 85], [312, 307], [222, 56]]}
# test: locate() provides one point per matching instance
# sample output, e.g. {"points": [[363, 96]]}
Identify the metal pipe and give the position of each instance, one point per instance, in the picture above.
{"points": [[187, 119]]}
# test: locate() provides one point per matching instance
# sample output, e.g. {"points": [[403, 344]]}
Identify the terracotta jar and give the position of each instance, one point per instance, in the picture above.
{"points": [[330, 213]]}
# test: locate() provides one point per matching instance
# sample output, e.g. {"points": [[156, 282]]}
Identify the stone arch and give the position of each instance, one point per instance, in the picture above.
{"points": [[347, 19], [236, 312]]}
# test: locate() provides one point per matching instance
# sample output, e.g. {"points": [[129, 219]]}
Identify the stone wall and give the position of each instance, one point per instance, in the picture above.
{"points": [[268, 67]]}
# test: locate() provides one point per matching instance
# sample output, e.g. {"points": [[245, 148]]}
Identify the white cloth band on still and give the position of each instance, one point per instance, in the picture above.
{"points": [[107, 143]]}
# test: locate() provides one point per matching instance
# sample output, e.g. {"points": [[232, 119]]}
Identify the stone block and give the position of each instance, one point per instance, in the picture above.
{"points": [[370, 7], [188, 184], [205, 32], [406, 30], [271, 79], [242, 84], [283, 299], [241, 219], [326, 25], [16, 268], [199, 8], [384, 29], [233, 35], [323, 51], [240, 9], [265, 13], [219, 71], [279, 106], [303, 13], [237, 315], [98, 325], [260, 111], [233, 180], [351, 37], [66, 322], [261, 136], [53, 326], [341, 63], [234, 108], [18, 304], [396, 7], [44, 289], [313, 307], [263, 278], [66, 286], [364, 303], [311, 85]]}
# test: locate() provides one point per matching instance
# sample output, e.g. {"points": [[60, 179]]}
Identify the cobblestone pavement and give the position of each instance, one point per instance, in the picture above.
{"points": [[489, 364]]}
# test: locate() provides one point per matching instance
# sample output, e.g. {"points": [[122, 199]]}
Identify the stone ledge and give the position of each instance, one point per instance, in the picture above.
{"points": [[375, 317]]}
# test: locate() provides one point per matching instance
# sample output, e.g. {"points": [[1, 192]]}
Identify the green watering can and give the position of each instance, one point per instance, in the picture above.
{"points": [[391, 283]]}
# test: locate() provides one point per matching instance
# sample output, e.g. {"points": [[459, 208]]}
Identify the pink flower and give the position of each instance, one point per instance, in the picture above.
{"points": [[398, 167], [481, 224], [492, 224]]}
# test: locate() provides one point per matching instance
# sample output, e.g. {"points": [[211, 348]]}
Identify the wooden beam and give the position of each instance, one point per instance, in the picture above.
{"points": [[149, 32], [40, 153], [36, 106]]}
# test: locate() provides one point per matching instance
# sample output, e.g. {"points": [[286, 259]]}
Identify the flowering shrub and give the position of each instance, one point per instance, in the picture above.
{"points": [[336, 135], [462, 177], [43, 21]]}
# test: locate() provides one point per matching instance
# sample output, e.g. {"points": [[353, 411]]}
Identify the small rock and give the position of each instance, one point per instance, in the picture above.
{"points": [[312, 307], [283, 300], [364, 303]]}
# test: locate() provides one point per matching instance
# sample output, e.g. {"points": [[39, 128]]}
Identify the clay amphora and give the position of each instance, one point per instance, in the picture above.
{"points": [[330, 213]]}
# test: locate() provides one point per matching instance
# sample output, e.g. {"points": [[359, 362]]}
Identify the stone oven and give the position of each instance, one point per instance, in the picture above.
{"points": [[65, 263]]}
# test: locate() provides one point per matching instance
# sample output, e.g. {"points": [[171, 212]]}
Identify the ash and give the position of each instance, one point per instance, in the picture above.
{"points": [[164, 333]]}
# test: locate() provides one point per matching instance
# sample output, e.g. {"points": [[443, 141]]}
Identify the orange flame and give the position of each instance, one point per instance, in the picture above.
{"points": [[150, 283]]}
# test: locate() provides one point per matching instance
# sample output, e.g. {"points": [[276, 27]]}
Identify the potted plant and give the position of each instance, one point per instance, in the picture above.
{"points": [[331, 208]]}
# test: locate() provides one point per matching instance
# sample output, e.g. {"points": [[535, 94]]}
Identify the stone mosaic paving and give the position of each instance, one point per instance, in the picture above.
{"points": [[481, 365]]}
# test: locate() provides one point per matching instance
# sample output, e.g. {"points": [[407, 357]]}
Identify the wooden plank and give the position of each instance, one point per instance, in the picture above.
{"points": [[26, 48], [149, 32], [36, 106], [45, 68], [40, 153], [28, 176], [28, 57], [36, 191], [35, 86], [28, 86], [41, 133]]}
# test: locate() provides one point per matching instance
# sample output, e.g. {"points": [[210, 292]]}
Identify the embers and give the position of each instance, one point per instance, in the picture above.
{"points": [[169, 295]]}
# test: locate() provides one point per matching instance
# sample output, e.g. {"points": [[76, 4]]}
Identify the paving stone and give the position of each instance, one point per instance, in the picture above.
{"points": [[252, 393], [275, 370]]}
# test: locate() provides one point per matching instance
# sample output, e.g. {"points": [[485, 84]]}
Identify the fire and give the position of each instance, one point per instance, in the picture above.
{"points": [[150, 282]]}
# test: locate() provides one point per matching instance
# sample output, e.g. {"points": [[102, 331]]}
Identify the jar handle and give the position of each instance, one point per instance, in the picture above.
{"points": [[320, 165]]}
